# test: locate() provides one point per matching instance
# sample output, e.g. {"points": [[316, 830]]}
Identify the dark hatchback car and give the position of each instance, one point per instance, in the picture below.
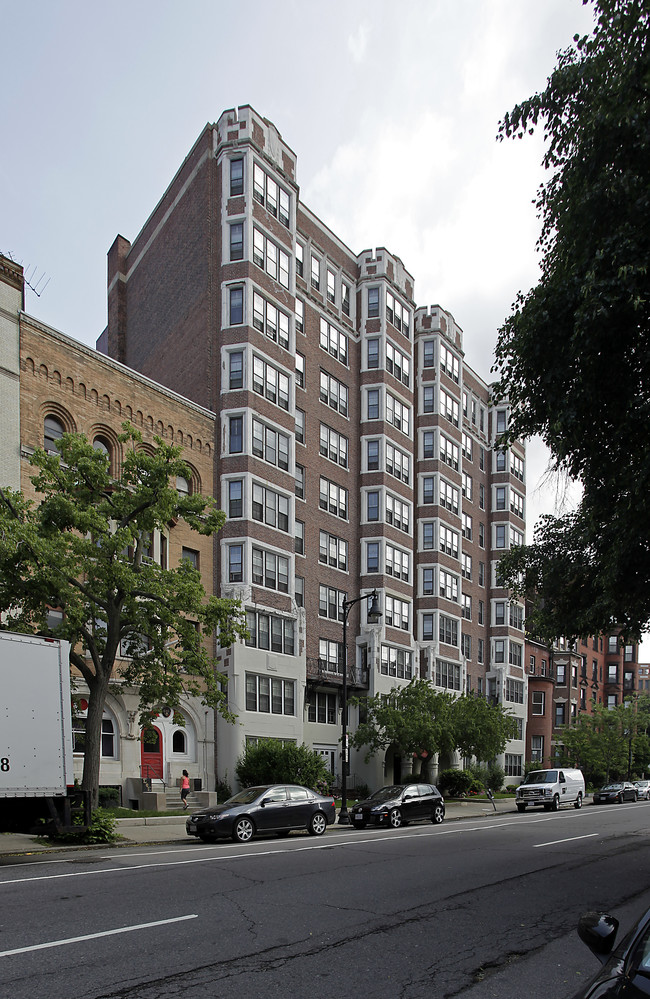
{"points": [[626, 969], [399, 804], [272, 808], [616, 793]]}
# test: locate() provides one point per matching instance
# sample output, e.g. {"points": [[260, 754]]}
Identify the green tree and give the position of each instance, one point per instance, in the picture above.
{"points": [[271, 761], [415, 719], [574, 357], [481, 729], [610, 743], [79, 548]]}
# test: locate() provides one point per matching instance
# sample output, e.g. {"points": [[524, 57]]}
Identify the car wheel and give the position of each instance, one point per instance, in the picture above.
{"points": [[556, 802], [243, 830], [578, 802], [636, 797], [395, 818], [619, 799], [438, 815], [317, 824], [521, 808]]}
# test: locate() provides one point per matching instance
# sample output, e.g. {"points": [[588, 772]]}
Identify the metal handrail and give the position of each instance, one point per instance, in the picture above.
{"points": [[148, 775]]}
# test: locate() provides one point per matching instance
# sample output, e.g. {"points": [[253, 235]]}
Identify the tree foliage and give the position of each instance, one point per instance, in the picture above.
{"points": [[611, 743], [574, 357], [419, 720], [271, 761], [481, 729], [79, 548], [415, 719]]}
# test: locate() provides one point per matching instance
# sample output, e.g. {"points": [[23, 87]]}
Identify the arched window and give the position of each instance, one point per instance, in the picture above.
{"points": [[179, 742], [109, 741], [182, 486], [108, 738], [53, 431], [101, 444]]}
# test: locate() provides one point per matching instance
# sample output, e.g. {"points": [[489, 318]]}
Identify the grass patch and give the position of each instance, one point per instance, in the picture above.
{"points": [[145, 813]]}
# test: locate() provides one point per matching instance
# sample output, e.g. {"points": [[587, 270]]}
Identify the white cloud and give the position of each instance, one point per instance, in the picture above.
{"points": [[358, 43]]}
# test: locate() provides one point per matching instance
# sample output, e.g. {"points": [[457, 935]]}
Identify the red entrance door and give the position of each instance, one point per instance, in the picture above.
{"points": [[151, 754]]}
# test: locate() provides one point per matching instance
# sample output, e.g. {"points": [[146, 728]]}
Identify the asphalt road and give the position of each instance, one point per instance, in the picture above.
{"points": [[482, 910]]}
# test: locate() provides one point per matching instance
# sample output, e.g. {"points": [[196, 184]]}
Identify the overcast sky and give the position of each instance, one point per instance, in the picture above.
{"points": [[392, 109]]}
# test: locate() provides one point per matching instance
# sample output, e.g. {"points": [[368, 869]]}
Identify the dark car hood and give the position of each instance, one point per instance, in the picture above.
{"points": [[213, 809], [374, 802]]}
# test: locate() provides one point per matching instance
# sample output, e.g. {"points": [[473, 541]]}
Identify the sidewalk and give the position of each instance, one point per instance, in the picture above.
{"points": [[171, 829]]}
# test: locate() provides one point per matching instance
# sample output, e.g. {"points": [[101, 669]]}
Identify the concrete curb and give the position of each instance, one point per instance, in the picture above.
{"points": [[171, 829]]}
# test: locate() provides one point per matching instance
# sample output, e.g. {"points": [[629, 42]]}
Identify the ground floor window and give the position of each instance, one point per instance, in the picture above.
{"points": [[513, 766], [255, 740], [108, 746]]}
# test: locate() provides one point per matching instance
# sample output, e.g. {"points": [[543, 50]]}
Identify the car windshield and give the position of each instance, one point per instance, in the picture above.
{"points": [[385, 793], [246, 796], [612, 787], [541, 777], [641, 783]]}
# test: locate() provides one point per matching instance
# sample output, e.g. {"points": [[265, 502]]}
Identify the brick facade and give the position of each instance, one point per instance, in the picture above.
{"points": [[355, 448]]}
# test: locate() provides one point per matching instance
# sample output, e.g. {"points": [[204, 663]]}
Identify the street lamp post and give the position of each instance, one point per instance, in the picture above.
{"points": [[373, 617]]}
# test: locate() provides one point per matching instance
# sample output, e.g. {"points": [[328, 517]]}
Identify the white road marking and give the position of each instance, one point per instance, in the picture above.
{"points": [[359, 837], [94, 936], [569, 839]]}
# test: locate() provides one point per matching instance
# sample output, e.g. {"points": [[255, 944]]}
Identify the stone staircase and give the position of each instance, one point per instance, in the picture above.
{"points": [[173, 800]]}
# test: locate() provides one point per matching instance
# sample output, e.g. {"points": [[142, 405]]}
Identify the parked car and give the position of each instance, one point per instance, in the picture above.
{"points": [[643, 788], [626, 969], [615, 793], [398, 804], [272, 808]]}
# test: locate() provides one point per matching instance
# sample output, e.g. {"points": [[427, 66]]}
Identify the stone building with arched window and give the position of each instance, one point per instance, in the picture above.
{"points": [[66, 386]]}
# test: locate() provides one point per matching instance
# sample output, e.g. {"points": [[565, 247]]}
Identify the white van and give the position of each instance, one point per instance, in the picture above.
{"points": [[551, 788]]}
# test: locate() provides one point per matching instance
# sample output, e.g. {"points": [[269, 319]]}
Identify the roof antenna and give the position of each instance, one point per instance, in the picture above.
{"points": [[32, 280]]}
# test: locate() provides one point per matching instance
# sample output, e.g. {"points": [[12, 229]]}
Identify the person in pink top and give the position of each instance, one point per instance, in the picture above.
{"points": [[185, 788]]}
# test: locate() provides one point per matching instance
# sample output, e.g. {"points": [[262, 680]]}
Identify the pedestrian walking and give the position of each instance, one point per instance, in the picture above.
{"points": [[185, 788]]}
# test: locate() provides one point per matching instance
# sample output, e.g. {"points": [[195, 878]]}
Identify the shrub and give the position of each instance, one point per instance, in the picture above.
{"points": [[322, 786], [271, 762], [224, 790], [496, 776], [455, 782], [108, 797], [101, 830], [479, 775]]}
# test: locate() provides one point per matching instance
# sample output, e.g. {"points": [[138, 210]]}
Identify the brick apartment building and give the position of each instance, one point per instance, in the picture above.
{"points": [[566, 681], [354, 449]]}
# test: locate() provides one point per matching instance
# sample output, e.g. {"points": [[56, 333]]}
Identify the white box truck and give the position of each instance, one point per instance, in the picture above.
{"points": [[36, 772]]}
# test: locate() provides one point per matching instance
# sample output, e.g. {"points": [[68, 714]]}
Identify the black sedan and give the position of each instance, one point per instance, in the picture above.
{"points": [[273, 808], [626, 969], [614, 794], [399, 804]]}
